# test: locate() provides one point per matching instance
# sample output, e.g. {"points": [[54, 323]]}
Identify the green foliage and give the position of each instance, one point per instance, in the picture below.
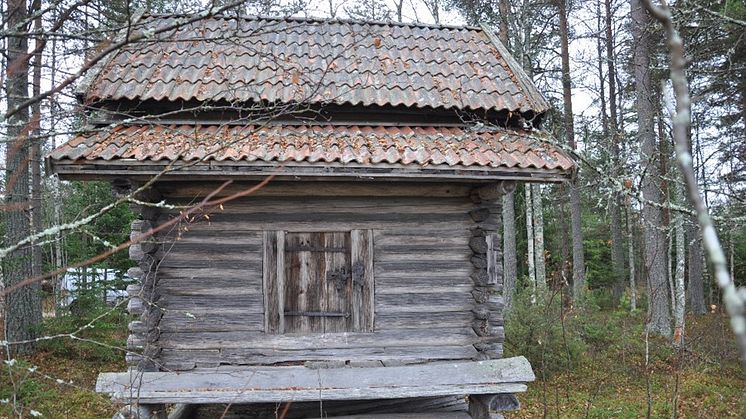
{"points": [[101, 328], [536, 332], [26, 390], [109, 229]]}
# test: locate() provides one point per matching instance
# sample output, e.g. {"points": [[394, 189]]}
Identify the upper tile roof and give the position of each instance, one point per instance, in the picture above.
{"points": [[349, 145], [249, 59]]}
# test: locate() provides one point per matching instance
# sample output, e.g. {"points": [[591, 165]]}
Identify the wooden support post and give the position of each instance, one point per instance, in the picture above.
{"points": [[142, 411], [480, 407]]}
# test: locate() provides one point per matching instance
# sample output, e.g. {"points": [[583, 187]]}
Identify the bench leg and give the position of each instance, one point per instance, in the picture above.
{"points": [[487, 406], [142, 411]]}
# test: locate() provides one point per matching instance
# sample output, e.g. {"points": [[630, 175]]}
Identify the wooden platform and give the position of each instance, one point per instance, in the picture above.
{"points": [[298, 384]]}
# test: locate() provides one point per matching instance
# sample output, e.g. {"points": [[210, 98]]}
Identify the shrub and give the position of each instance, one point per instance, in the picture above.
{"points": [[536, 331]]}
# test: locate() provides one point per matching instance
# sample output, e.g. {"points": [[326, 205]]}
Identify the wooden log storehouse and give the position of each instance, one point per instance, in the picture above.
{"points": [[353, 263]]}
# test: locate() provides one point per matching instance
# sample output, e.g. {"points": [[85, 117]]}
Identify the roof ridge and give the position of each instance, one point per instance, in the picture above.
{"points": [[319, 19]]}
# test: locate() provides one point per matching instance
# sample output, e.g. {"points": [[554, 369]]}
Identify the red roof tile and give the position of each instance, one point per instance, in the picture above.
{"points": [[317, 61], [321, 144]]}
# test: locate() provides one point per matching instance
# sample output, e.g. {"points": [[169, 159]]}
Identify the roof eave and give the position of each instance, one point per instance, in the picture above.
{"points": [[242, 170]]}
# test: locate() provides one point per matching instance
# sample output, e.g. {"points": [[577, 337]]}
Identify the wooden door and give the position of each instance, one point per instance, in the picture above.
{"points": [[318, 283]]}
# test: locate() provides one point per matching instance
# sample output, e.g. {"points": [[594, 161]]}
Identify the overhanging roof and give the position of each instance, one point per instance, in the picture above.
{"points": [[313, 150], [315, 61]]}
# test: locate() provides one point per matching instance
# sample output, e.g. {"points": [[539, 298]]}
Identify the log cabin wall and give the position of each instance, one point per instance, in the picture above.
{"points": [[427, 303]]}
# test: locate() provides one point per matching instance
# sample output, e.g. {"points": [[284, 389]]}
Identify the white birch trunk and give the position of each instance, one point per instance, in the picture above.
{"points": [[670, 258], [530, 243], [538, 221], [680, 292], [631, 256]]}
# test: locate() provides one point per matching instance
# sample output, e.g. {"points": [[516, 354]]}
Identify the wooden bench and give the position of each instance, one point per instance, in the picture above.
{"points": [[275, 384]]}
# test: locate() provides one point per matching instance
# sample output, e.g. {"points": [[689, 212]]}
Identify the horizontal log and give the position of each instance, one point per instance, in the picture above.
{"points": [[133, 290], [392, 338], [210, 321], [178, 358], [364, 205], [261, 220], [135, 342], [461, 254], [194, 190], [393, 239], [135, 306], [279, 384], [231, 250], [215, 303], [234, 287], [137, 326], [206, 261], [422, 320], [135, 272]]}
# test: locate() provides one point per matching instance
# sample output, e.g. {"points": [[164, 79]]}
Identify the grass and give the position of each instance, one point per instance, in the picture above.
{"points": [[594, 368], [610, 379]]}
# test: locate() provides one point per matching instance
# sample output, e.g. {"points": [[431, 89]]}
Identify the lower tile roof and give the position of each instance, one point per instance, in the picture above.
{"points": [[361, 145]]}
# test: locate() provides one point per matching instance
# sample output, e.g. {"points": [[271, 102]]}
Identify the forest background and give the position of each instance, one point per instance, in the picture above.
{"points": [[607, 282]]}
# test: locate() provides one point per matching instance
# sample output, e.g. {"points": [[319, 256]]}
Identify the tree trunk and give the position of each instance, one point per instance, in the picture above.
{"points": [[530, 241], [510, 260], [631, 256], [538, 213], [680, 301], [36, 160], [503, 8], [578, 258], [23, 306], [696, 270], [659, 315], [615, 204]]}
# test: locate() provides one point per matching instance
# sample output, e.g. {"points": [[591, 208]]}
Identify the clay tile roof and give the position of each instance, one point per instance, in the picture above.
{"points": [[250, 59], [425, 147]]}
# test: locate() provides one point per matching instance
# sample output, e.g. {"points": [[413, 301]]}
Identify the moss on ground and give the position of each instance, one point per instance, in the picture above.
{"points": [[598, 368]]}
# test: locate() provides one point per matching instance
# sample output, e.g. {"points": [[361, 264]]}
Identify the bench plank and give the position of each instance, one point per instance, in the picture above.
{"points": [[278, 384]]}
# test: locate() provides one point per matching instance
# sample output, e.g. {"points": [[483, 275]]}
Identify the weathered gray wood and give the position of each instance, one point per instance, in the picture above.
{"points": [[198, 189], [135, 306], [273, 261], [135, 272], [141, 411], [479, 407], [493, 260], [318, 281], [319, 204], [363, 282], [136, 252], [212, 321], [392, 338], [494, 191], [421, 264], [185, 359], [270, 384], [182, 411]]}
